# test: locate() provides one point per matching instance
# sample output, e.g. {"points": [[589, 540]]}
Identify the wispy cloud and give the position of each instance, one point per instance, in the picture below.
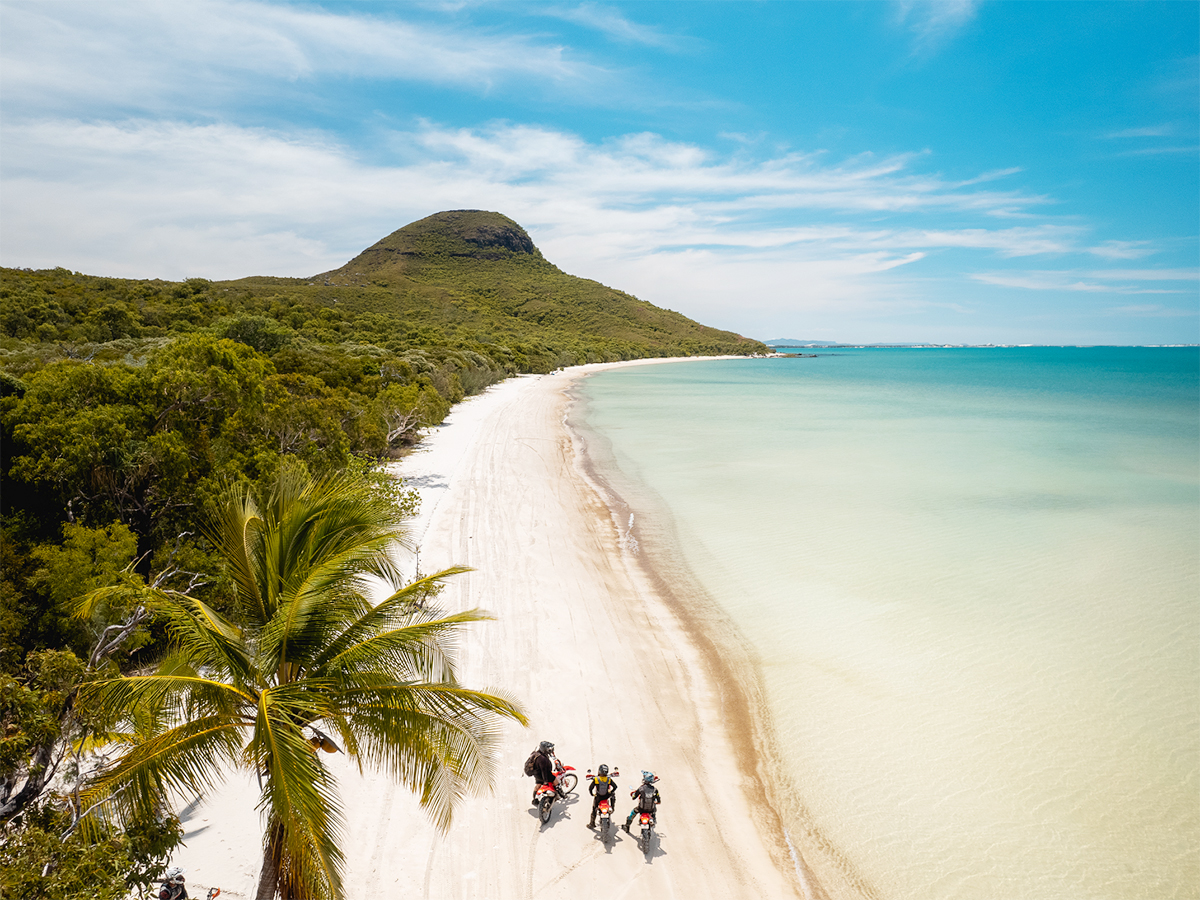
{"points": [[91, 58], [1150, 131], [933, 23], [1151, 311], [1149, 274], [612, 23], [1159, 151], [1107, 281], [1122, 249]]}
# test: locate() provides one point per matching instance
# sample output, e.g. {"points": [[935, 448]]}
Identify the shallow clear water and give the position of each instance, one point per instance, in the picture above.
{"points": [[972, 578]]}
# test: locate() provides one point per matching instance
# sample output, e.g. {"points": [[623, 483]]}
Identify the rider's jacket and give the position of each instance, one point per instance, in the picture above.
{"points": [[602, 786], [543, 768]]}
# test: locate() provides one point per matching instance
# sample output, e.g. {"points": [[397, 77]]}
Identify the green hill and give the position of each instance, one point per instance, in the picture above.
{"points": [[463, 280], [480, 270]]}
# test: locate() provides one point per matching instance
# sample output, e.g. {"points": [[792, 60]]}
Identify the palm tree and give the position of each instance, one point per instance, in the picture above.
{"points": [[304, 658]]}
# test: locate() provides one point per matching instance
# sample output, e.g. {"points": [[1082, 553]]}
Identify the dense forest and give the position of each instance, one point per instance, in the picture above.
{"points": [[127, 406]]}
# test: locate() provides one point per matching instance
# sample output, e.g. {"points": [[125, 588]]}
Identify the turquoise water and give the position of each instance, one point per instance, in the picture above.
{"points": [[972, 580]]}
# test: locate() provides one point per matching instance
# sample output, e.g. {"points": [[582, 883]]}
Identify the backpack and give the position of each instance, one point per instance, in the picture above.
{"points": [[529, 763], [645, 797]]}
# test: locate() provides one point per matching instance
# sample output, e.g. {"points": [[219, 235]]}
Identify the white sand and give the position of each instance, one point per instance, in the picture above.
{"points": [[604, 670]]}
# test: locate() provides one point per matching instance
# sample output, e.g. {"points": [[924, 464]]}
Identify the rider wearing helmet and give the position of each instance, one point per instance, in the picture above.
{"points": [[543, 767], [604, 788], [174, 885], [647, 797]]}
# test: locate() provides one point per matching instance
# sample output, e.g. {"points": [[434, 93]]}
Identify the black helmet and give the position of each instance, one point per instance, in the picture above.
{"points": [[546, 747], [603, 770]]}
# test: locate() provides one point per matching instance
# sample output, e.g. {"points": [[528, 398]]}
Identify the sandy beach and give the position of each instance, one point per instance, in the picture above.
{"points": [[584, 637]]}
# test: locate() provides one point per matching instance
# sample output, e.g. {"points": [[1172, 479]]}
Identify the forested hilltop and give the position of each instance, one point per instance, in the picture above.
{"points": [[126, 406]]}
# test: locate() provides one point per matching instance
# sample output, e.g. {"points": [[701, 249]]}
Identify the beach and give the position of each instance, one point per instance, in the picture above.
{"points": [[609, 665]]}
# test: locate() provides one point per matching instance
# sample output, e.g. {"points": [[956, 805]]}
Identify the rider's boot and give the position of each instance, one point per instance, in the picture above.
{"points": [[592, 821], [626, 827]]}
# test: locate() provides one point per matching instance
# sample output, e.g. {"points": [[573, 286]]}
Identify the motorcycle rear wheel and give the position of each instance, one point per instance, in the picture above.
{"points": [[544, 808]]}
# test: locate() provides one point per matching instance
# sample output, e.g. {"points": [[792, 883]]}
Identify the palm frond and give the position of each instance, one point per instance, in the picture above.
{"points": [[419, 651], [186, 758], [436, 739], [235, 530]]}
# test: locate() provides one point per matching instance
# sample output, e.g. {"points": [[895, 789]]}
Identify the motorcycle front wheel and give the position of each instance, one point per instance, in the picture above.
{"points": [[544, 808], [567, 783]]}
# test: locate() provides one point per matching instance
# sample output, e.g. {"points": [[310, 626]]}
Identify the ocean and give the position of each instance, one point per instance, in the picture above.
{"points": [[970, 579]]}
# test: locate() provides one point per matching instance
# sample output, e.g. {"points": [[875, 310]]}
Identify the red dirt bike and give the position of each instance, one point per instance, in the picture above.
{"points": [[646, 819], [565, 780], [646, 822], [604, 808]]}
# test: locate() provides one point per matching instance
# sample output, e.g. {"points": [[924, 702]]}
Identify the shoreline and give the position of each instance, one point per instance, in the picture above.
{"points": [[728, 663], [728, 659]]}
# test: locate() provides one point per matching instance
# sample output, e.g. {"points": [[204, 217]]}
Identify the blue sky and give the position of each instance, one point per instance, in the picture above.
{"points": [[1003, 172]]}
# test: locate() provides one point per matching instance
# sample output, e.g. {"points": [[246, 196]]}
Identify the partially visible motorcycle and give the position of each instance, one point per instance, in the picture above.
{"points": [[646, 822], [544, 797], [565, 778]]}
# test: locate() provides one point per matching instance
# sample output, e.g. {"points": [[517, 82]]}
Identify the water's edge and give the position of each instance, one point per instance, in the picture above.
{"points": [[650, 542]]}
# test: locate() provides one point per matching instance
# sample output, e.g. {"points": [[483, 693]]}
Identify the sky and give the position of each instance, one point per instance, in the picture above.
{"points": [[949, 172]]}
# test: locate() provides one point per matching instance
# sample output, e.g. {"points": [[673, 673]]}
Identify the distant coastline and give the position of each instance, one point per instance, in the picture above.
{"points": [[834, 345]]}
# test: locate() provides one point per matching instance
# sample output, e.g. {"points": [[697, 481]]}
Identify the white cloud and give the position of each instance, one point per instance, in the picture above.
{"points": [[1151, 131], [934, 23], [1190, 150], [1110, 281], [80, 58], [1147, 274], [611, 22], [1122, 249], [1151, 311]]}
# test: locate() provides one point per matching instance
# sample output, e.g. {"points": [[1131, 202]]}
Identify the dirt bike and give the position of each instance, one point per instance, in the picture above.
{"points": [[564, 783], [544, 797], [565, 778], [604, 808], [645, 819], [646, 823]]}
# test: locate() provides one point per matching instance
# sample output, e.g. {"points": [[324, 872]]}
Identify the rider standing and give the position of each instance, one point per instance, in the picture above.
{"points": [[604, 788], [647, 799], [543, 767]]}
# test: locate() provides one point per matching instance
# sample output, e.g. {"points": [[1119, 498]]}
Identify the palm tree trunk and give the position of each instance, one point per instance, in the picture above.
{"points": [[268, 878]]}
